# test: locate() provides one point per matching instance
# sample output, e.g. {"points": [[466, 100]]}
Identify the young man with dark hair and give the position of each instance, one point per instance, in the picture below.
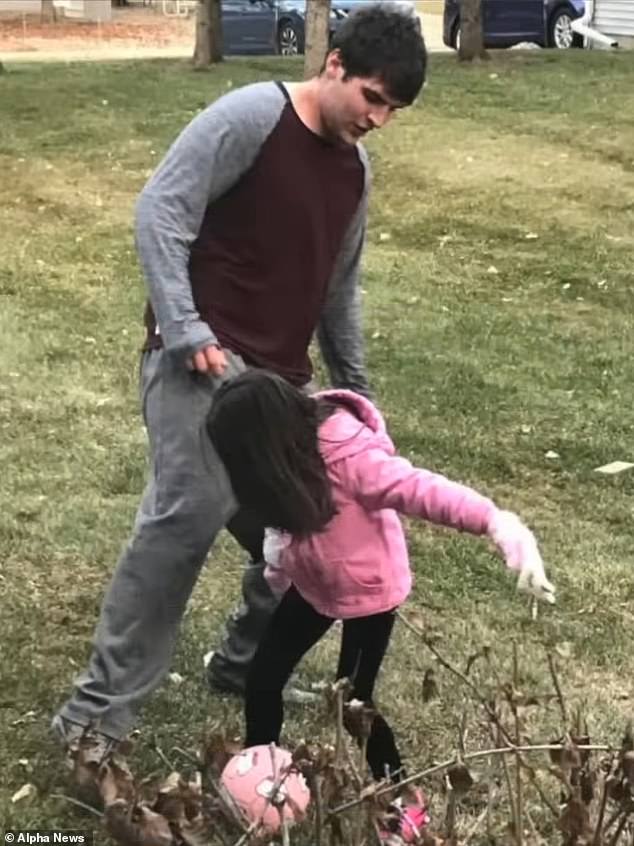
{"points": [[250, 234]]}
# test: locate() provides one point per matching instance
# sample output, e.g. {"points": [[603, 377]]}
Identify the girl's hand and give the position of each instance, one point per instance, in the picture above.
{"points": [[518, 546]]}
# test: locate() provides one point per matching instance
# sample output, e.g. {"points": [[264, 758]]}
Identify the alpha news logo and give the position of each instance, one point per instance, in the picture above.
{"points": [[48, 837]]}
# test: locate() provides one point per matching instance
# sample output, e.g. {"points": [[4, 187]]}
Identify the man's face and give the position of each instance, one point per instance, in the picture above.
{"points": [[352, 107]]}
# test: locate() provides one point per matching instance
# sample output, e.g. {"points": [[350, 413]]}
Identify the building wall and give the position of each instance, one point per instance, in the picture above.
{"points": [[77, 9], [615, 17], [31, 7]]}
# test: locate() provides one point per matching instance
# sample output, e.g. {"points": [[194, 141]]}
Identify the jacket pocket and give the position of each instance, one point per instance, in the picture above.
{"points": [[338, 579]]}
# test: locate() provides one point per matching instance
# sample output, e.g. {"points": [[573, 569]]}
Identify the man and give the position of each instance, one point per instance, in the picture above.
{"points": [[250, 235]]}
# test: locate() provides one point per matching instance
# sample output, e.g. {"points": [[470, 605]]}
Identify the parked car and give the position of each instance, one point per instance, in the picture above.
{"points": [[276, 26], [509, 22]]}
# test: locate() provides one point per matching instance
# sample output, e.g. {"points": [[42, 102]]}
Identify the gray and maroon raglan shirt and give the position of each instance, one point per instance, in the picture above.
{"points": [[250, 235]]}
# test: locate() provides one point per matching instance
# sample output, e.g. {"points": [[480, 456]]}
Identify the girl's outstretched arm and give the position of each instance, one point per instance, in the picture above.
{"points": [[381, 481]]}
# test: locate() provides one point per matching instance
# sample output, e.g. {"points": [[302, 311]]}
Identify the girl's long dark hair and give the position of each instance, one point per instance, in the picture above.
{"points": [[265, 432]]}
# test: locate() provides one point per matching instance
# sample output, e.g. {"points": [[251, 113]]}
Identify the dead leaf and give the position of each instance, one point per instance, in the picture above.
{"points": [[614, 467], [430, 688], [142, 827], [25, 792], [564, 649], [115, 781], [24, 718], [627, 765], [179, 799], [218, 750], [568, 757], [196, 833], [574, 822], [460, 778]]}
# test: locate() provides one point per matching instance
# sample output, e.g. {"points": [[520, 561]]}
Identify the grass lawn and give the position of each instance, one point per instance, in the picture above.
{"points": [[499, 317]]}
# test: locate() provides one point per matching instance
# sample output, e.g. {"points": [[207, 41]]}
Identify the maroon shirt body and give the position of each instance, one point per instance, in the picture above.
{"points": [[266, 250]]}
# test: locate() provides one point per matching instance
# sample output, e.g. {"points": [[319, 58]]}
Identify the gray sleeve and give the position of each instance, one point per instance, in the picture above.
{"points": [[340, 330], [209, 156]]}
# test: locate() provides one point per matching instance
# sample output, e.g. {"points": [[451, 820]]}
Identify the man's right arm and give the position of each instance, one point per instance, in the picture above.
{"points": [[208, 157]]}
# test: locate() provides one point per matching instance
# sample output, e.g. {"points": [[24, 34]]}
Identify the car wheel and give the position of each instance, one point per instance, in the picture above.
{"points": [[561, 35], [287, 40]]}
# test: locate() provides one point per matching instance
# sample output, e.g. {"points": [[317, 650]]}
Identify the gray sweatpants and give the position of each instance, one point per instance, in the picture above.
{"points": [[187, 501]]}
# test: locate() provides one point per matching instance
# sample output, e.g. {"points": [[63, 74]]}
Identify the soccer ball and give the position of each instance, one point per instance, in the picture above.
{"points": [[249, 779]]}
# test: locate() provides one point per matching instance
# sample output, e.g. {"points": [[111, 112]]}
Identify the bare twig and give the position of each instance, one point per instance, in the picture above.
{"points": [[462, 732], [450, 813], [490, 798], [619, 829], [560, 697], [596, 840], [463, 678], [162, 756], [229, 804], [315, 794], [470, 756], [351, 764], [475, 827], [611, 821], [187, 756], [518, 763], [535, 782], [512, 797], [361, 774], [487, 707], [79, 804], [339, 741], [538, 838]]}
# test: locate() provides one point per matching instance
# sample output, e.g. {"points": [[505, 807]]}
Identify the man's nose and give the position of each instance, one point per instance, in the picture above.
{"points": [[380, 116]]}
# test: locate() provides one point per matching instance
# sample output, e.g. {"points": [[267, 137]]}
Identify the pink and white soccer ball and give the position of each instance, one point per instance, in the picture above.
{"points": [[249, 778]]}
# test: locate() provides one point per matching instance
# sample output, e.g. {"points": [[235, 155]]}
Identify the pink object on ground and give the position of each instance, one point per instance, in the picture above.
{"points": [[408, 817], [249, 778]]}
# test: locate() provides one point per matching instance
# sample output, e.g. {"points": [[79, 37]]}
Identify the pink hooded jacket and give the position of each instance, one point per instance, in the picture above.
{"points": [[359, 564]]}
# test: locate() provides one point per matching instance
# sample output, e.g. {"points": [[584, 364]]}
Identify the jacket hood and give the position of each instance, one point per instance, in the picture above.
{"points": [[356, 425]]}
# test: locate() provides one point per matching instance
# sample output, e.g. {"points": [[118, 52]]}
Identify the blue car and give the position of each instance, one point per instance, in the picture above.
{"points": [[276, 26], [509, 22]]}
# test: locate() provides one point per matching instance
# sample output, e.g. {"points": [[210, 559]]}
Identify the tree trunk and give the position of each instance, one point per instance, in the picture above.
{"points": [[317, 36], [48, 12], [208, 49], [471, 36]]}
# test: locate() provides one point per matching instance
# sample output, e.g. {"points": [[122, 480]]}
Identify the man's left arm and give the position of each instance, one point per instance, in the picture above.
{"points": [[340, 329]]}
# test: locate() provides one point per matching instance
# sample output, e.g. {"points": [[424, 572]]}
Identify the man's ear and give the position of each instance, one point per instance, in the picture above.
{"points": [[333, 66]]}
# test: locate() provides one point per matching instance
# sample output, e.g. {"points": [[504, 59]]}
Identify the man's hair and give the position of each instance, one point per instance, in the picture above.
{"points": [[384, 42], [265, 432]]}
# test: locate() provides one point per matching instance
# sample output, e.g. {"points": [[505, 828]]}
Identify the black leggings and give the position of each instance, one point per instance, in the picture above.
{"points": [[293, 630]]}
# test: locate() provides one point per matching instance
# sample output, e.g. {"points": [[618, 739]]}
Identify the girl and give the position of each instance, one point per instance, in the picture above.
{"points": [[323, 471]]}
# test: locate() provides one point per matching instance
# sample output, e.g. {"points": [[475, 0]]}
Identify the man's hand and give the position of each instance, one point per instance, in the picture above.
{"points": [[210, 359]]}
